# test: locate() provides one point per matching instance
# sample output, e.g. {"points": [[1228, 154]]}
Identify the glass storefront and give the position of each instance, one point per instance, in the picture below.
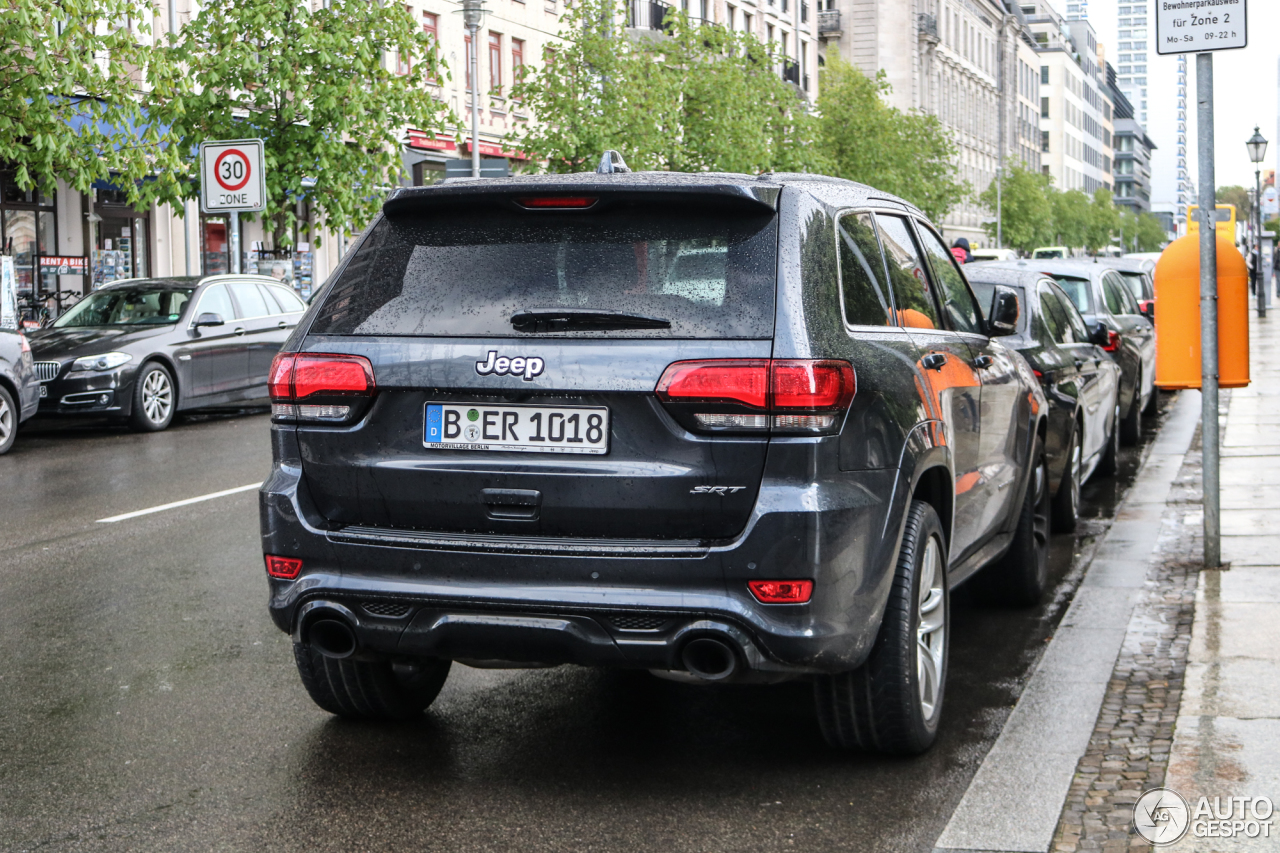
{"points": [[122, 247], [215, 251], [28, 227]]}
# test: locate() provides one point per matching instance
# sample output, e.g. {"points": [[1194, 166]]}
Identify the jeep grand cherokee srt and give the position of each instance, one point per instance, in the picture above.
{"points": [[731, 427]]}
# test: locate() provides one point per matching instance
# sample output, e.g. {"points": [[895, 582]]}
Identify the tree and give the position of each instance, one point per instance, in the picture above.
{"points": [[864, 139], [1241, 198], [1070, 217], [69, 105], [315, 87], [1026, 211], [698, 98], [1151, 234], [1102, 223]]}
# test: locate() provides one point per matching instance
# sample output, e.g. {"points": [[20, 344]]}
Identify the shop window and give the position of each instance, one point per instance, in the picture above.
{"points": [[27, 228]]}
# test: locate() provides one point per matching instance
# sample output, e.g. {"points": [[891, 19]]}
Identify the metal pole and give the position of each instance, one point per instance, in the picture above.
{"points": [[233, 220], [1208, 312], [475, 102], [1257, 245]]}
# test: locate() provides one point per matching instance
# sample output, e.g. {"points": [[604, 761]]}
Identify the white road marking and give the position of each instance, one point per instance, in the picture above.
{"points": [[177, 504]]}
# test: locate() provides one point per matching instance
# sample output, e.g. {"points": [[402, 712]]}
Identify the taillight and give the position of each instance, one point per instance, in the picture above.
{"points": [[26, 347], [304, 386], [755, 394], [781, 592], [285, 568], [1113, 341]]}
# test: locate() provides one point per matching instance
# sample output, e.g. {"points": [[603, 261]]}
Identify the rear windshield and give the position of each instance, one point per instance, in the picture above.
{"points": [[465, 274], [1077, 289]]}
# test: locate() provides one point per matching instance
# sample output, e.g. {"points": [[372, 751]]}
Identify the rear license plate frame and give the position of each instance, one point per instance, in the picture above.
{"points": [[474, 432]]}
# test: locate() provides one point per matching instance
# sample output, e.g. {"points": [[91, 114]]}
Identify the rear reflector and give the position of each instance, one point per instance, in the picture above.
{"points": [[781, 592], [285, 568], [557, 202]]}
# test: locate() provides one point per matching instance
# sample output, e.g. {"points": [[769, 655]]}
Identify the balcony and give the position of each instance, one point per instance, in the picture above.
{"points": [[647, 15], [927, 27], [829, 24]]}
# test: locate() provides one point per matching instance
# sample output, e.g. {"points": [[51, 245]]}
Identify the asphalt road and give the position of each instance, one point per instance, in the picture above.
{"points": [[147, 703]]}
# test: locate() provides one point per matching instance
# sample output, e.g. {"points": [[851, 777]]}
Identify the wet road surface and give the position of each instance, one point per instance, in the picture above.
{"points": [[147, 703]]}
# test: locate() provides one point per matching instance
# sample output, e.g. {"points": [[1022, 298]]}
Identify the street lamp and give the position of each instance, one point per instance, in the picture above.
{"points": [[472, 14], [1257, 150]]}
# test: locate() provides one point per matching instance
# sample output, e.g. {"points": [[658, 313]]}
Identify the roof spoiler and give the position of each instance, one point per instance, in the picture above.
{"points": [[609, 190]]}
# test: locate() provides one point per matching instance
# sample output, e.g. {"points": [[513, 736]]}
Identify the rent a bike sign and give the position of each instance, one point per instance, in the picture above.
{"points": [[231, 176], [1198, 26]]}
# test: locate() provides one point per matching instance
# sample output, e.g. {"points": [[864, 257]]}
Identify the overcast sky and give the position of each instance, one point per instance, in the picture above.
{"points": [[1244, 91]]}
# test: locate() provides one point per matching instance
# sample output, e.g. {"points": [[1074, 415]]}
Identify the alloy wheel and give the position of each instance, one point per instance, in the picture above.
{"points": [[157, 396], [931, 635], [1040, 518], [6, 421], [1077, 465]]}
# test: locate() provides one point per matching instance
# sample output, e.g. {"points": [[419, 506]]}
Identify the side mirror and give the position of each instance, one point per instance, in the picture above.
{"points": [[1003, 317], [1100, 335], [209, 319]]}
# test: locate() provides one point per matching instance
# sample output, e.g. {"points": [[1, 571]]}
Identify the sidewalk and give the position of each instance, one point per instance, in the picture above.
{"points": [[1227, 736]]}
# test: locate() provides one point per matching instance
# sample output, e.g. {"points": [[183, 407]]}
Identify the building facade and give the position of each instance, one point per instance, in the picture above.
{"points": [[971, 63]]}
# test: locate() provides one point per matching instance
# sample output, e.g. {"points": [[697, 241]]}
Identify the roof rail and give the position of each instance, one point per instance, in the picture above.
{"points": [[611, 163]]}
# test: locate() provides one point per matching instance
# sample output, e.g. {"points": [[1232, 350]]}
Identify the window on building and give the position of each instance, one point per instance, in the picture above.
{"points": [[1044, 75], [517, 61], [731, 18], [1044, 141], [495, 63], [467, 60], [1044, 107], [430, 26]]}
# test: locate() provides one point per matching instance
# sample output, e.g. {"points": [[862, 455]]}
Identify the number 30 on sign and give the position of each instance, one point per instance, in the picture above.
{"points": [[231, 176]]}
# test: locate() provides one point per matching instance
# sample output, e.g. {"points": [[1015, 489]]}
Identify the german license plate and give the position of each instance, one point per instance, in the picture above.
{"points": [[524, 429]]}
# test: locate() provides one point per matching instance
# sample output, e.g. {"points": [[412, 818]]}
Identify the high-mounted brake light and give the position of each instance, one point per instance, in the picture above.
{"points": [[297, 377], [781, 592], [570, 202], [285, 568], [798, 395]]}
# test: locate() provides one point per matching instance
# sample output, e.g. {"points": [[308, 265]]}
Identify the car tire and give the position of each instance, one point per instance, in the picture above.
{"points": [[885, 706], [1131, 425], [1109, 464], [369, 689], [155, 398], [1019, 578], [1066, 503], [8, 420]]}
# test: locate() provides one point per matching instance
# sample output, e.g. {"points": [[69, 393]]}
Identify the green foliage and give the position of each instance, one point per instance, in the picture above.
{"points": [[1151, 234], [1026, 211], [65, 60], [864, 139], [1273, 226], [1071, 214], [315, 87], [1241, 198], [1103, 221], [701, 98]]}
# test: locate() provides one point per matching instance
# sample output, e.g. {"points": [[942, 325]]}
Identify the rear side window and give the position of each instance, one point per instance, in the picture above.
{"points": [[249, 299], [862, 272], [1112, 293], [1128, 302], [1051, 314], [466, 273], [957, 300], [1136, 282], [1077, 290], [1078, 329], [915, 307], [216, 301], [288, 302]]}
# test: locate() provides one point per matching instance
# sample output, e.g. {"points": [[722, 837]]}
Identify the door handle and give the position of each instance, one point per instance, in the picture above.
{"points": [[239, 330], [982, 362], [282, 325], [1079, 363], [933, 361]]}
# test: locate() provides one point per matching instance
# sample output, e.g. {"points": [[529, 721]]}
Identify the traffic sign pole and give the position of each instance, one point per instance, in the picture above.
{"points": [[1208, 313]]}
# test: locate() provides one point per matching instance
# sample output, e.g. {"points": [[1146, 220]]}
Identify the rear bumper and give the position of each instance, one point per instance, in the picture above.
{"points": [[623, 604]]}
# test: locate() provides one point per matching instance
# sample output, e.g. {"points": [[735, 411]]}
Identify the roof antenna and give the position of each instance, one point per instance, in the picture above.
{"points": [[611, 163]]}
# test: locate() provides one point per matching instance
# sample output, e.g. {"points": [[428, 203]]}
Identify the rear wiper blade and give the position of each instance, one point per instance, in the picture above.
{"points": [[542, 320]]}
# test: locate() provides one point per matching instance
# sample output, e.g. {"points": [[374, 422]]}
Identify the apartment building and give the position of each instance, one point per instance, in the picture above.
{"points": [[972, 63], [1133, 148]]}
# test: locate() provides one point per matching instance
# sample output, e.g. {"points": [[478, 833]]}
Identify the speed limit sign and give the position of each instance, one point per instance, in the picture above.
{"points": [[231, 176]]}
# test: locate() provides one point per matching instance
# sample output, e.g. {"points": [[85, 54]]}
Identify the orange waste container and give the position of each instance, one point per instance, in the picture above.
{"points": [[1178, 315]]}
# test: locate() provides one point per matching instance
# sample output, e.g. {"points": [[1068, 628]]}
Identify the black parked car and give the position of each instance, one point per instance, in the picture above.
{"points": [[143, 349], [19, 388], [1102, 297], [1139, 276], [727, 426], [1080, 382]]}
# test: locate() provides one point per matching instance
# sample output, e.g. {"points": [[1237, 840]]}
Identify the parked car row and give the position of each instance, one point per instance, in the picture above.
{"points": [[726, 428]]}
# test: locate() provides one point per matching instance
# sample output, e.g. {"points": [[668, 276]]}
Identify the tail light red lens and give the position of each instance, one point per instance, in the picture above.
{"points": [[1113, 341], [296, 377], [798, 395], [781, 592], [743, 381], [807, 384], [285, 568]]}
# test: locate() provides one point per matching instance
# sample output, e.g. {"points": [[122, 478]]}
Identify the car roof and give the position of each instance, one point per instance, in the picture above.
{"points": [[763, 187], [1058, 266], [1129, 264], [1002, 272], [185, 282]]}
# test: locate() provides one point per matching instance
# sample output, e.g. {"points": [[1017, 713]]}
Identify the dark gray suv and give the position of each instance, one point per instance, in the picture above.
{"points": [[722, 427]]}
